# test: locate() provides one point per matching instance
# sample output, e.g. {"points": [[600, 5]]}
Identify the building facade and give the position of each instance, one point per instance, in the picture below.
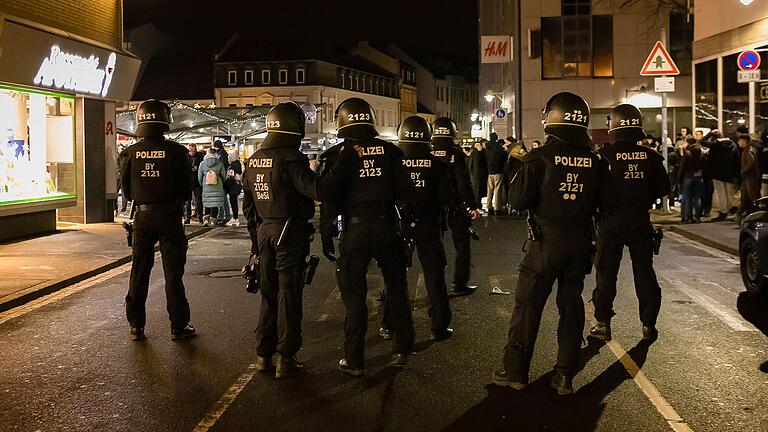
{"points": [[720, 100], [455, 98], [62, 70], [319, 83], [592, 48]]}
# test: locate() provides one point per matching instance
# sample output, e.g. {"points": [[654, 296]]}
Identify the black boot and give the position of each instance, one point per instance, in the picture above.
{"points": [[502, 378], [562, 382], [441, 335], [137, 333], [650, 333], [349, 370], [263, 364], [399, 360], [601, 331], [187, 332], [288, 366]]}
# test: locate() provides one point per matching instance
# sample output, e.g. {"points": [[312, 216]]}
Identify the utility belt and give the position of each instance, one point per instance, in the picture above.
{"points": [[379, 212], [644, 215], [159, 206]]}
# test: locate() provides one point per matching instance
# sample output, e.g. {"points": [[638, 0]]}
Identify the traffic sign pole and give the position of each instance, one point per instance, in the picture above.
{"points": [[664, 132]]}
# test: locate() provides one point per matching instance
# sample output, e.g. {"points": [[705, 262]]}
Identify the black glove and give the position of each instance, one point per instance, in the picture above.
{"points": [[329, 249]]}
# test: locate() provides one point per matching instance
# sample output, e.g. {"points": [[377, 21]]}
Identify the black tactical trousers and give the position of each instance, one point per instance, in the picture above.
{"points": [[459, 225], [428, 238], [163, 224], [359, 244], [613, 233], [281, 269], [560, 255]]}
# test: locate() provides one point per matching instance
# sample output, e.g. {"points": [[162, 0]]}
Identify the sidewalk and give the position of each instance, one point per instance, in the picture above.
{"points": [[35, 267], [719, 235]]}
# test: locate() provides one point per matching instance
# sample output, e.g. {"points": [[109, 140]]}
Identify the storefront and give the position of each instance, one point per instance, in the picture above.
{"points": [[721, 101], [57, 134]]}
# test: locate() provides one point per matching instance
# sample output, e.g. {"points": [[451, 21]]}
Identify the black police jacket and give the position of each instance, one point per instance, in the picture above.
{"points": [[636, 179], [156, 171], [368, 178], [559, 183], [278, 182], [446, 150], [430, 186]]}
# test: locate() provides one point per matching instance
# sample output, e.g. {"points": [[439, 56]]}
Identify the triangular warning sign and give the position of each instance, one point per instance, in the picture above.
{"points": [[659, 62]]}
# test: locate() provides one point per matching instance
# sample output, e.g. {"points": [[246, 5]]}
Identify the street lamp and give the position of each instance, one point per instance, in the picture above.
{"points": [[491, 95], [476, 116]]}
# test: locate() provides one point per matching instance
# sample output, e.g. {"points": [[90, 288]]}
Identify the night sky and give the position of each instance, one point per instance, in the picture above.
{"points": [[426, 28]]}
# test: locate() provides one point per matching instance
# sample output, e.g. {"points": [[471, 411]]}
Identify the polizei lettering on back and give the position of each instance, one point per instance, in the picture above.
{"points": [[417, 163], [632, 156], [370, 151], [150, 154], [574, 161], [260, 163]]}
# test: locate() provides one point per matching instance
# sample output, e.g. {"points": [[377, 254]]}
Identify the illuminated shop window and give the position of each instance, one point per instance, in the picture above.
{"points": [[37, 146]]}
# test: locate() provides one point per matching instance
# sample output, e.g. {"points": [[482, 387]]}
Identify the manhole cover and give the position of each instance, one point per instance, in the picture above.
{"points": [[223, 274]]}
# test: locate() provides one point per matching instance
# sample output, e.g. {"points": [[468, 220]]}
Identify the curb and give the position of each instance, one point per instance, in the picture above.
{"points": [[703, 240], [51, 286]]}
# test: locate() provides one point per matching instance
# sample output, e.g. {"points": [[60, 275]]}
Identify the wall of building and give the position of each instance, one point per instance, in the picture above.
{"points": [[98, 20], [630, 49], [328, 98], [711, 19], [497, 18]]}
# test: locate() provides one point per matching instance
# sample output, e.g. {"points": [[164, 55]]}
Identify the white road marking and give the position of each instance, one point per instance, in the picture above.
{"points": [[673, 419], [713, 306], [226, 400]]}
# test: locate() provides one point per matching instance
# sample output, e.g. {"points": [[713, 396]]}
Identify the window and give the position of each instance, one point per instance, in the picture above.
{"points": [[300, 76], [232, 78], [706, 94], [38, 148], [681, 41], [735, 97], [343, 81], [283, 76], [249, 77], [357, 83], [266, 76], [577, 7], [577, 46]]}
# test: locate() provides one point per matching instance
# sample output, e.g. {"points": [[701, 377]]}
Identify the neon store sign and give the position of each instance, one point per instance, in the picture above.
{"points": [[63, 70]]}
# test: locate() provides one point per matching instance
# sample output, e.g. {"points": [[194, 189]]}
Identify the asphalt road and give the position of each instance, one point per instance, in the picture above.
{"points": [[67, 363]]}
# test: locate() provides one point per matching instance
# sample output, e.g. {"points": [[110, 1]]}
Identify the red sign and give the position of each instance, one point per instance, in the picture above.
{"points": [[748, 60], [659, 62]]}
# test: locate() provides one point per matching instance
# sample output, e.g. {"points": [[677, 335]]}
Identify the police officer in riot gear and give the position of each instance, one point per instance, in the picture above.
{"points": [[280, 194], [558, 184], [637, 179], [430, 193], [463, 208], [372, 178], [156, 178]]}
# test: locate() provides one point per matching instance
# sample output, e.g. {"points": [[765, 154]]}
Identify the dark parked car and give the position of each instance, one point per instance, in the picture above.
{"points": [[753, 249]]}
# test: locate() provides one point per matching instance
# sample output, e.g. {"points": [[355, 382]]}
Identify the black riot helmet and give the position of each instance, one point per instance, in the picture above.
{"points": [[626, 123], [414, 129], [153, 118], [286, 118], [566, 117], [355, 119], [444, 127]]}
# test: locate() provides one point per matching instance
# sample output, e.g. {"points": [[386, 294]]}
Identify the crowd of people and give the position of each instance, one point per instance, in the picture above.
{"points": [[492, 165], [714, 175], [216, 185]]}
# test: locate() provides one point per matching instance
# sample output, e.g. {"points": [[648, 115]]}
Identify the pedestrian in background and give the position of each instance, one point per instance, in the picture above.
{"points": [[195, 159], [722, 167], [751, 147], [211, 175], [512, 167], [690, 178], [478, 170], [233, 185], [708, 187], [496, 157], [221, 154]]}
